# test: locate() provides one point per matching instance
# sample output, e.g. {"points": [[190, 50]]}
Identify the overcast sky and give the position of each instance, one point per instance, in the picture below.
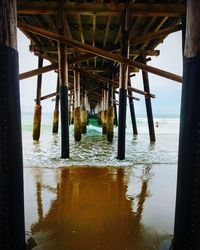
{"points": [[167, 92]]}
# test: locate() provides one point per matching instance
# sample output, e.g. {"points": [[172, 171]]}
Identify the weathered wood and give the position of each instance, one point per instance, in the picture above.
{"points": [[38, 107], [192, 47], [77, 107], [132, 109], [187, 215], [155, 35], [105, 9], [135, 41], [129, 95], [39, 82], [100, 52], [148, 105], [116, 84], [123, 83], [12, 229], [38, 71], [56, 110], [8, 16], [53, 50], [115, 110]]}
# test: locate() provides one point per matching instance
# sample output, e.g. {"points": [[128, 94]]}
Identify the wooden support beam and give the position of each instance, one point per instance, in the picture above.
{"points": [[155, 35], [129, 95], [116, 84], [56, 110], [38, 107], [105, 9], [99, 52], [187, 215], [63, 77], [143, 52], [148, 105], [135, 41], [77, 106], [12, 227], [123, 84], [132, 109], [38, 71]]}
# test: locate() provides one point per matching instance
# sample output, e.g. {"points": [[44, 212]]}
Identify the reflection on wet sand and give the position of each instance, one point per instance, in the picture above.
{"points": [[92, 211]]}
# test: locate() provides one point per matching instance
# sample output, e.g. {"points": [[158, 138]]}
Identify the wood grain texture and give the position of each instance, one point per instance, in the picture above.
{"points": [[192, 39], [8, 23]]}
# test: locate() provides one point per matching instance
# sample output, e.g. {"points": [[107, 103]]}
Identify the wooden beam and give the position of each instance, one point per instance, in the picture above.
{"points": [[143, 52], [130, 96], [155, 35], [99, 52], [115, 83], [102, 9], [140, 39], [38, 71]]}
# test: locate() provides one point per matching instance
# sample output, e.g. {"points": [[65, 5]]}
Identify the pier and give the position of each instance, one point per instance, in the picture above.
{"points": [[96, 48]]}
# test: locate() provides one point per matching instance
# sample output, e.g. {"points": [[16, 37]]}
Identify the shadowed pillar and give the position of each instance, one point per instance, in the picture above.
{"points": [[132, 109], [148, 104], [115, 110], [123, 81], [38, 107], [104, 112], [77, 107], [12, 232], [56, 110], [84, 114], [110, 114], [63, 77], [187, 217]]}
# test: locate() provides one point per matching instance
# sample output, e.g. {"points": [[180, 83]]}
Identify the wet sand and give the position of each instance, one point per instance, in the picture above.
{"points": [[88, 208]]}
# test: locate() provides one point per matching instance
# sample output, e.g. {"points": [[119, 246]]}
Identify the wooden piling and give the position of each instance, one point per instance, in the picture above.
{"points": [[148, 103], [115, 110], [77, 107], [63, 78], [84, 113], [56, 111], [187, 215], [104, 112], [110, 114], [110, 123], [38, 107], [123, 78], [12, 229], [132, 109]]}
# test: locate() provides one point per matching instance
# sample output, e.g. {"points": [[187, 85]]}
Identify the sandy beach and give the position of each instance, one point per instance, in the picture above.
{"points": [[100, 207]]}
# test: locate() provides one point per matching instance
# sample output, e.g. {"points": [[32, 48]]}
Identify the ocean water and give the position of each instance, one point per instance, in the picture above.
{"points": [[95, 201], [94, 149]]}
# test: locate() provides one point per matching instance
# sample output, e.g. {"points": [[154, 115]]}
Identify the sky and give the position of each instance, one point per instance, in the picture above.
{"points": [[168, 93]]}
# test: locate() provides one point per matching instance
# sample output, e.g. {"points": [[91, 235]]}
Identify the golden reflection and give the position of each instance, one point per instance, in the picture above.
{"points": [[91, 211]]}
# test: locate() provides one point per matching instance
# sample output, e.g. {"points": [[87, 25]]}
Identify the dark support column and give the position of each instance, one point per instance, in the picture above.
{"points": [[104, 111], [77, 107], [115, 110], [56, 111], [187, 217], [12, 231], [123, 78], [84, 112], [132, 109], [63, 77], [110, 114], [38, 107], [148, 104]]}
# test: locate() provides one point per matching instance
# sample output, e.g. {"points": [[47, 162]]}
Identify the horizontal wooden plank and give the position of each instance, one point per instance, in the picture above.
{"points": [[39, 71], [106, 9]]}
